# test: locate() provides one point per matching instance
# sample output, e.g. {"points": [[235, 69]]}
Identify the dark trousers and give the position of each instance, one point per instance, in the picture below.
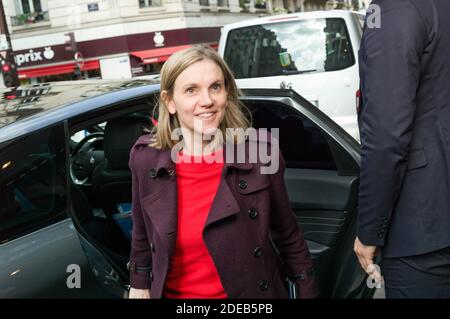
{"points": [[422, 276]]}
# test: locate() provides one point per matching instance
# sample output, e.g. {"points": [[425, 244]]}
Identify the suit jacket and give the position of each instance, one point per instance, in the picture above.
{"points": [[404, 196], [249, 217]]}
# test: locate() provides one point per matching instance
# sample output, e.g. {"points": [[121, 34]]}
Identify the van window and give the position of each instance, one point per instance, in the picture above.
{"points": [[294, 47]]}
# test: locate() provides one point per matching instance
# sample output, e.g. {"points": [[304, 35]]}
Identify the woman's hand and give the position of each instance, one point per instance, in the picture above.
{"points": [[139, 293]]}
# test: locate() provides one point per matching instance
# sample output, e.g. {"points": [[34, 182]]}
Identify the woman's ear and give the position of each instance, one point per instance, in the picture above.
{"points": [[168, 102]]}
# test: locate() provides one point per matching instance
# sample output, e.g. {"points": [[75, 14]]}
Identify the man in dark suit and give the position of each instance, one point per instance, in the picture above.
{"points": [[404, 197]]}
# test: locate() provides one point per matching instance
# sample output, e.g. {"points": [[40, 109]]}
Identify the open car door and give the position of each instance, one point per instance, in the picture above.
{"points": [[322, 178]]}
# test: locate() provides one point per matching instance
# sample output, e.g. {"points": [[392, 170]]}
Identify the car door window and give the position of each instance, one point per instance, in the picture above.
{"points": [[32, 182], [302, 143]]}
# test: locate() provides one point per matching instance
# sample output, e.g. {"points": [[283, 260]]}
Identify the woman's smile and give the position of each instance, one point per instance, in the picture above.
{"points": [[206, 116]]}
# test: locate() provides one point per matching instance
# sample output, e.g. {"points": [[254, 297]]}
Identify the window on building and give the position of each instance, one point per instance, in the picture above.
{"points": [[260, 4], [29, 12], [149, 3], [222, 3], [204, 3]]}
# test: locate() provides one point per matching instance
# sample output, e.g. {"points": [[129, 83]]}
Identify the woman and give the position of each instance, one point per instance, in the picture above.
{"points": [[205, 225]]}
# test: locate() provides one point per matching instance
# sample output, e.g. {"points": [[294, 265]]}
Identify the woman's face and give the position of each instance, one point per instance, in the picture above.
{"points": [[199, 97]]}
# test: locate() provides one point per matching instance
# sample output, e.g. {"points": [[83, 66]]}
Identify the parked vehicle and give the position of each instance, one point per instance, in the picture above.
{"points": [[65, 185], [314, 53]]}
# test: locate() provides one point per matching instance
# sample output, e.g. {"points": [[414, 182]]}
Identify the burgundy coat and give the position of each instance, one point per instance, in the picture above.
{"points": [[250, 214]]}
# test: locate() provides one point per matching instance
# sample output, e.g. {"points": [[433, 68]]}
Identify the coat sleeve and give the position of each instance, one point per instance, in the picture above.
{"points": [[288, 238], [140, 257], [389, 70]]}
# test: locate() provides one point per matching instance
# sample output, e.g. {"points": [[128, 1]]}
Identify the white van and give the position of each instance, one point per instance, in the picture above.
{"points": [[314, 53]]}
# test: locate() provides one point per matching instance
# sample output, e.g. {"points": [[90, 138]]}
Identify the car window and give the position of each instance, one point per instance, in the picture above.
{"points": [[302, 143], [293, 47], [78, 136], [32, 182]]}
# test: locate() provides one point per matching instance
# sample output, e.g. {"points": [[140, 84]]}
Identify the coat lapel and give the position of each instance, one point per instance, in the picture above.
{"points": [[225, 204]]}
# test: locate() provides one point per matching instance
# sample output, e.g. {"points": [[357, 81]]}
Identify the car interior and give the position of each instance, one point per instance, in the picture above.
{"points": [[101, 181], [320, 176]]}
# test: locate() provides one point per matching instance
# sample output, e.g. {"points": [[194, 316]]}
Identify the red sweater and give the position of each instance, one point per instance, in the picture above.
{"points": [[193, 273]]}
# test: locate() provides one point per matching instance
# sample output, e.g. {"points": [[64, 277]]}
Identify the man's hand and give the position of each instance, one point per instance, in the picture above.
{"points": [[366, 255], [139, 293]]}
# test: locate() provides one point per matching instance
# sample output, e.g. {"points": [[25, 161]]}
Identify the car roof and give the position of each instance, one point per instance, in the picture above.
{"points": [[290, 17], [32, 107], [17, 104]]}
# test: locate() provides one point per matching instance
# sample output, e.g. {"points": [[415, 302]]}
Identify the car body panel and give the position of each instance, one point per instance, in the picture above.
{"points": [[57, 110], [36, 265]]}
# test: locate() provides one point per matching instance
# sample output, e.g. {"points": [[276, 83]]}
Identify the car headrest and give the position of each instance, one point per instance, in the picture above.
{"points": [[120, 136]]}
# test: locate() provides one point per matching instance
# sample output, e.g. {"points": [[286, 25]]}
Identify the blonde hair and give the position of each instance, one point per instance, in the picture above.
{"points": [[172, 68]]}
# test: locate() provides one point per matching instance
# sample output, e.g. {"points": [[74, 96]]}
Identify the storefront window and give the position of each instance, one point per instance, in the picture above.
{"points": [[91, 74], [153, 68]]}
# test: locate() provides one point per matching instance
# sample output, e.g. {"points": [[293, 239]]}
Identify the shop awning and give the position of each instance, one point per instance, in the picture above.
{"points": [[160, 55], [157, 55], [56, 69]]}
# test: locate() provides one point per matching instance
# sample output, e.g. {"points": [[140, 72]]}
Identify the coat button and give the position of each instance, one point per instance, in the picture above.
{"points": [[242, 184], [252, 213], [263, 285], [257, 252], [152, 247], [152, 172], [170, 172]]}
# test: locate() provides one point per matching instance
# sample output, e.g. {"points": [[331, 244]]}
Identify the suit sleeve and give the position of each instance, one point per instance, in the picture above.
{"points": [[389, 70], [288, 238], [140, 249]]}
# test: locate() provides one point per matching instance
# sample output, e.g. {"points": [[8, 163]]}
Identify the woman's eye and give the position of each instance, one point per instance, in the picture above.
{"points": [[190, 90], [216, 87]]}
